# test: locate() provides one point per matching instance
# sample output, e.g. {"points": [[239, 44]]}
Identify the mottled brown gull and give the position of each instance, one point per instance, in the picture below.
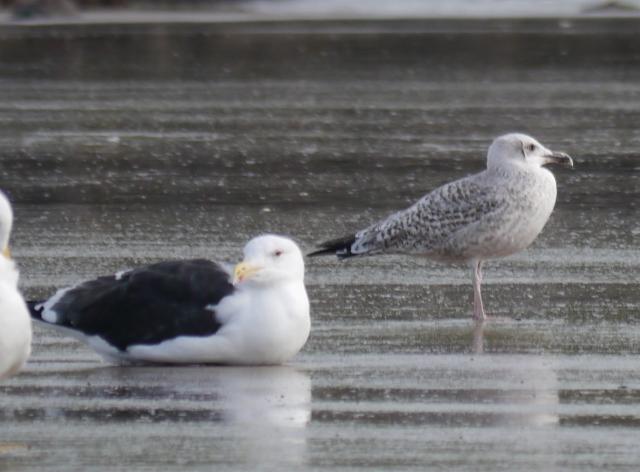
{"points": [[494, 213]]}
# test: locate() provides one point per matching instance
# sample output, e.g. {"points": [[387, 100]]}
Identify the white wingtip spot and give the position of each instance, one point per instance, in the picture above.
{"points": [[48, 313], [121, 273], [50, 316]]}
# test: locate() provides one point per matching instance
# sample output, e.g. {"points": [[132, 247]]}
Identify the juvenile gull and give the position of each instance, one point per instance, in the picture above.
{"points": [[192, 312], [492, 214], [15, 325]]}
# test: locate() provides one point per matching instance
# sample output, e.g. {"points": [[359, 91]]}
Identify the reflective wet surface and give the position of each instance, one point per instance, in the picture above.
{"points": [[125, 145]]}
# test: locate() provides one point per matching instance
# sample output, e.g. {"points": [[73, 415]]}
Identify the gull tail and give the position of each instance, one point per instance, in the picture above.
{"points": [[340, 247]]}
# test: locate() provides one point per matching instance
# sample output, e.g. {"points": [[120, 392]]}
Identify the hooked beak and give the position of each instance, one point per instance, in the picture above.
{"points": [[6, 252], [243, 271], [559, 158]]}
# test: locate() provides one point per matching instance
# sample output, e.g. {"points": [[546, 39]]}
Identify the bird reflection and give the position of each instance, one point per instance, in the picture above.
{"points": [[243, 393], [538, 396], [267, 410], [275, 396], [262, 411]]}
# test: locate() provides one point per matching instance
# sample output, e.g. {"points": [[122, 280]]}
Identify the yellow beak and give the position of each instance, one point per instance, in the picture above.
{"points": [[6, 252], [243, 271]]}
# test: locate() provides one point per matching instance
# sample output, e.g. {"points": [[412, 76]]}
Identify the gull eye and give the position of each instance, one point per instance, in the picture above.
{"points": [[531, 147], [277, 253]]}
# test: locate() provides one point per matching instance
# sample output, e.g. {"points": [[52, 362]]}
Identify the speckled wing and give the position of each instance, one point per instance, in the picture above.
{"points": [[432, 225]]}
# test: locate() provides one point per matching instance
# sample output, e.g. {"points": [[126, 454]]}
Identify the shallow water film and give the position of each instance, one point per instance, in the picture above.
{"points": [[124, 145]]}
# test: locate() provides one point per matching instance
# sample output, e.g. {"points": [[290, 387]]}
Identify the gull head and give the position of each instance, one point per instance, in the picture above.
{"points": [[269, 259], [520, 150], [6, 222]]}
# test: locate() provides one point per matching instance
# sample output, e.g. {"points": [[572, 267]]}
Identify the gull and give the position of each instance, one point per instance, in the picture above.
{"points": [[192, 311], [15, 324], [488, 215]]}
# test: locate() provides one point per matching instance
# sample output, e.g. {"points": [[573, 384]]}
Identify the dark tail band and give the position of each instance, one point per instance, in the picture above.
{"points": [[340, 247]]}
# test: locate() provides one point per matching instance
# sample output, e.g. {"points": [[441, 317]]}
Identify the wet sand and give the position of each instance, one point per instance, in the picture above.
{"points": [[123, 145]]}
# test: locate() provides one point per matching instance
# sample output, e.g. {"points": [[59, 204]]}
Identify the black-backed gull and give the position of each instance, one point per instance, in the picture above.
{"points": [[192, 311]]}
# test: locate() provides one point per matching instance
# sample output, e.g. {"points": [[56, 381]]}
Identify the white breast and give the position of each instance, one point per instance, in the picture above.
{"points": [[542, 200], [271, 327], [260, 327], [15, 322], [529, 200]]}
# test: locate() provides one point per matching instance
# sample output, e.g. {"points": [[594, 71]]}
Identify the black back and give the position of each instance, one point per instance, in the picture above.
{"points": [[146, 305]]}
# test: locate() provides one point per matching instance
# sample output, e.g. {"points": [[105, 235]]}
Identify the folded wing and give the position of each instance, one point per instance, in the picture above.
{"points": [[147, 305]]}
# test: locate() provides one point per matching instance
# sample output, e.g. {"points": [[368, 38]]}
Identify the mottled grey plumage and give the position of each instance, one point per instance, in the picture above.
{"points": [[468, 218], [491, 214]]}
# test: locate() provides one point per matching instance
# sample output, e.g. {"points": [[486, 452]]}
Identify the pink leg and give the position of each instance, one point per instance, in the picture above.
{"points": [[478, 308], [478, 338]]}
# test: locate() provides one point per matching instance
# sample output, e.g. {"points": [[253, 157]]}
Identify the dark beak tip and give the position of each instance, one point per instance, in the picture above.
{"points": [[563, 159], [568, 161]]}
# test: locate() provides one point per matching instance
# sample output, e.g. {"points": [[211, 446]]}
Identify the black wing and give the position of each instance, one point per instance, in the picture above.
{"points": [[146, 305]]}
